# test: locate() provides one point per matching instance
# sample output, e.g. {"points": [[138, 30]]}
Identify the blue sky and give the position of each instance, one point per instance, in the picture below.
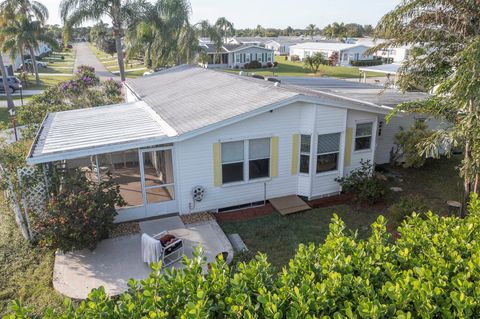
{"points": [[278, 13]]}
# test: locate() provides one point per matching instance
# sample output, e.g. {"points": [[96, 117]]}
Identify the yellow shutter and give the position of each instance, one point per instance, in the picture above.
{"points": [[274, 157], [295, 150], [348, 146], [217, 164]]}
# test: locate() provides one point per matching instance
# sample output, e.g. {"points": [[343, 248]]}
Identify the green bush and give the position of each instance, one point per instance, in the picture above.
{"points": [[431, 271], [363, 184], [406, 206], [408, 145], [366, 62], [79, 215]]}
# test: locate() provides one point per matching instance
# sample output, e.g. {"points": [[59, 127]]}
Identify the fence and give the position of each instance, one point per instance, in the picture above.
{"points": [[26, 198]]}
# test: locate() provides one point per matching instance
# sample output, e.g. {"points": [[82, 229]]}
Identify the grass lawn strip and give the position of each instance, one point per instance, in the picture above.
{"points": [[25, 270]]}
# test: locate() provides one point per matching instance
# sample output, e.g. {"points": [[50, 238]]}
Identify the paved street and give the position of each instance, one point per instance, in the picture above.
{"points": [[85, 56]]}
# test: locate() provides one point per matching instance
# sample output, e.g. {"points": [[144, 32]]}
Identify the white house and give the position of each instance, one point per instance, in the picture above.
{"points": [[191, 139], [235, 56], [394, 54], [281, 45], [345, 52]]}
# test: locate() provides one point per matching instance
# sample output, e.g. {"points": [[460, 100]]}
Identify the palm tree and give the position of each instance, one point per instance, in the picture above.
{"points": [[225, 27], [32, 9], [311, 30], [3, 72], [289, 31], [164, 36], [20, 34], [120, 12]]}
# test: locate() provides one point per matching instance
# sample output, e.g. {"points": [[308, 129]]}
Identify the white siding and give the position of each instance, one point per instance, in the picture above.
{"points": [[195, 158], [386, 140], [195, 161], [353, 118], [324, 183]]}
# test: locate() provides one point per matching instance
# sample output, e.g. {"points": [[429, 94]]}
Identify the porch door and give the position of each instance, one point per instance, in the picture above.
{"points": [[157, 175]]}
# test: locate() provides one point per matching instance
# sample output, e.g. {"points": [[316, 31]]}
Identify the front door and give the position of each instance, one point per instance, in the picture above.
{"points": [[158, 184]]}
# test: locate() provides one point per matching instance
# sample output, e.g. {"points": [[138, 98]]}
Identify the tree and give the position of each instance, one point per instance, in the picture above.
{"points": [[447, 62], [288, 31], [335, 31], [315, 61], [122, 13], [225, 28], [22, 33], [407, 143], [311, 30], [164, 37], [31, 9]]}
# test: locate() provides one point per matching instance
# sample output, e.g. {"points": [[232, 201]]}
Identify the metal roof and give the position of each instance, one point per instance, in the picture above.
{"points": [[189, 98], [383, 68], [327, 46], [79, 131], [355, 90]]}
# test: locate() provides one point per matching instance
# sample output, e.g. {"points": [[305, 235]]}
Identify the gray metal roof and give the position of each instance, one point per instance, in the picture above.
{"points": [[355, 90], [189, 98], [383, 68], [92, 128]]}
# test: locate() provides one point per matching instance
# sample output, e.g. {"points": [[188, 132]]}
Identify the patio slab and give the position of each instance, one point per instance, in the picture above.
{"points": [[116, 260]]}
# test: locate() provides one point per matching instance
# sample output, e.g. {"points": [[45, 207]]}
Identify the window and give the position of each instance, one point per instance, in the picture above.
{"points": [[305, 154], [328, 150], [363, 136], [235, 167], [259, 158], [237, 57], [269, 57], [232, 162]]}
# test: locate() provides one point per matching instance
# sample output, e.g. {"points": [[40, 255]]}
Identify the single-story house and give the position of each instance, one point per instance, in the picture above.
{"points": [[235, 56], [190, 139], [281, 45], [393, 54], [345, 52]]}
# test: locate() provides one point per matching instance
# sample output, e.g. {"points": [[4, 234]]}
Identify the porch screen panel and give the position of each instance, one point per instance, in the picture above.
{"points": [[124, 167]]}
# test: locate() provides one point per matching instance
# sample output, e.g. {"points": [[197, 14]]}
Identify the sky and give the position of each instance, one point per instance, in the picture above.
{"points": [[277, 13]]}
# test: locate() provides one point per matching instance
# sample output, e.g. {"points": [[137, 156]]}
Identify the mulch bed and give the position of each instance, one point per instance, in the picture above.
{"points": [[125, 229], [245, 214], [196, 218], [331, 201]]}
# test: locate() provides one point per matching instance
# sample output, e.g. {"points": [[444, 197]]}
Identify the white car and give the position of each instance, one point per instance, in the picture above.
{"points": [[39, 63]]}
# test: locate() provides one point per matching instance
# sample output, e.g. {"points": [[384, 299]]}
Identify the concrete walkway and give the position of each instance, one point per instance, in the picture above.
{"points": [[85, 56], [117, 260]]}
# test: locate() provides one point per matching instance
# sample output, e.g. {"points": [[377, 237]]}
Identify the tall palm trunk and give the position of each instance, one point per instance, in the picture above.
{"points": [[34, 64], [118, 46], [5, 85]]}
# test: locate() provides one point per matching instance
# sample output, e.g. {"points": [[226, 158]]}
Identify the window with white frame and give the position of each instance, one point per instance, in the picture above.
{"points": [[269, 57], [233, 155], [259, 158], [245, 160], [328, 152], [237, 58], [305, 141], [363, 136]]}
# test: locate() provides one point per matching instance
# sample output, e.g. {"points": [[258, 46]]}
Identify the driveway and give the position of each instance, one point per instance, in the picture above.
{"points": [[85, 56]]}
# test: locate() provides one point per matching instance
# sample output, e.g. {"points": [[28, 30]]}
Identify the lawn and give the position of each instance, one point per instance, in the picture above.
{"points": [[46, 80], [4, 116], [25, 270], [290, 68], [111, 64], [278, 236]]}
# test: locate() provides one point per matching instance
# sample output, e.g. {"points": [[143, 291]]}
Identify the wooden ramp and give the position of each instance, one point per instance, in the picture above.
{"points": [[289, 204]]}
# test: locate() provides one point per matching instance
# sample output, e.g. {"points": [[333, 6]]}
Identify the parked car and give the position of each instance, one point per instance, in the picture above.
{"points": [[29, 65], [13, 83], [69, 46]]}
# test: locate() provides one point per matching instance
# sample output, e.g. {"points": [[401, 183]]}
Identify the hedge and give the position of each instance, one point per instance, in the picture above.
{"points": [[366, 62], [431, 271]]}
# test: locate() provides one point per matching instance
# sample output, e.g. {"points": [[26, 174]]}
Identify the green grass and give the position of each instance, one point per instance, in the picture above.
{"points": [[278, 236], [4, 116], [48, 70], [290, 68], [46, 80], [25, 270]]}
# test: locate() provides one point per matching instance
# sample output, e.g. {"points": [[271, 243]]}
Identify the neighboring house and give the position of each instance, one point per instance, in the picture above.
{"points": [[346, 52], [281, 45], [259, 41], [235, 56], [191, 139], [393, 54]]}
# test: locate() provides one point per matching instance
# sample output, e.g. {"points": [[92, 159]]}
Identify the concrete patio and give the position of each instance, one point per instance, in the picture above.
{"points": [[117, 260]]}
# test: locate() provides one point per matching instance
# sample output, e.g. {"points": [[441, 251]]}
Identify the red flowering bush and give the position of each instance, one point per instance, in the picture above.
{"points": [[79, 215]]}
